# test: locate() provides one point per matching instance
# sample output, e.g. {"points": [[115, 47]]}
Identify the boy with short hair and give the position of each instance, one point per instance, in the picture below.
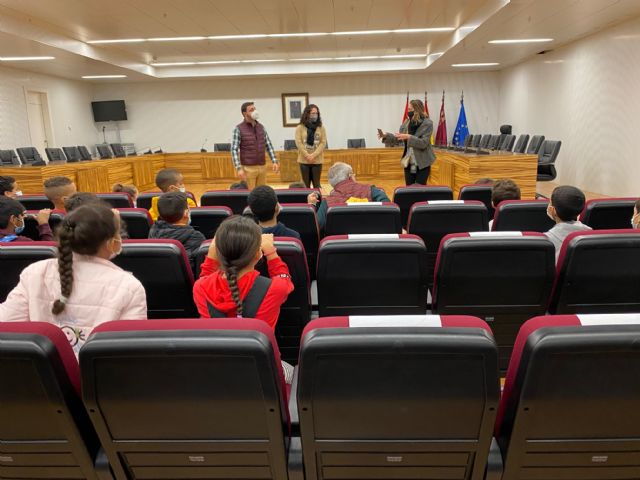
{"points": [[169, 180], [263, 203], [58, 189], [566, 204], [12, 222], [174, 223], [503, 189]]}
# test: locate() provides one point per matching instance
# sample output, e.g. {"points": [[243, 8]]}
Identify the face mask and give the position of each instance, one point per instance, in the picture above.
{"points": [[550, 216], [20, 229], [182, 189], [410, 114], [115, 254], [255, 115], [18, 193], [189, 219], [313, 117]]}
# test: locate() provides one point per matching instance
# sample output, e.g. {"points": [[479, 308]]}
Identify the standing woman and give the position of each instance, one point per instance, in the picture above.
{"points": [[311, 140], [418, 155]]}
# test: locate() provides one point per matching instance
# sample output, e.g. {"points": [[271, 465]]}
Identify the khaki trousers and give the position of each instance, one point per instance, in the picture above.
{"points": [[256, 175]]}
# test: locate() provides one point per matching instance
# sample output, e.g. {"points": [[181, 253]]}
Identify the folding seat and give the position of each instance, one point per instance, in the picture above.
{"points": [[356, 143], [145, 198], [302, 218], [431, 221], [363, 217], [482, 193], [402, 397], [15, 256], [521, 144], [207, 219], [598, 273], [31, 224], [163, 268], [116, 199], [72, 154], [84, 152], [118, 150], [535, 144], [35, 202], [405, 197], [185, 399], [372, 274], [55, 154], [137, 222], [522, 215], [608, 213], [104, 151], [30, 156], [503, 277], [8, 157], [569, 406], [45, 430], [295, 195], [236, 200]]}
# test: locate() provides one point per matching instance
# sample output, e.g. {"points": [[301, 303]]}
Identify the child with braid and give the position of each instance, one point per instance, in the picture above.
{"points": [[82, 288]]}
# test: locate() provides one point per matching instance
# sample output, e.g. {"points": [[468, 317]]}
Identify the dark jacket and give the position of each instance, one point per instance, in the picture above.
{"points": [[281, 230], [185, 234]]}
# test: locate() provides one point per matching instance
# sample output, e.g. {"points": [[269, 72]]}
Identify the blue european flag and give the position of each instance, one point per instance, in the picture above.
{"points": [[462, 129]]}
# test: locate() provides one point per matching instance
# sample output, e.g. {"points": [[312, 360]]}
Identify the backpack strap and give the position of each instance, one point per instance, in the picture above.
{"points": [[251, 303]]}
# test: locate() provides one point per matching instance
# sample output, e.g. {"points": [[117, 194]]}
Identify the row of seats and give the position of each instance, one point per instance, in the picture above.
{"points": [[505, 143], [504, 278], [31, 156], [372, 397]]}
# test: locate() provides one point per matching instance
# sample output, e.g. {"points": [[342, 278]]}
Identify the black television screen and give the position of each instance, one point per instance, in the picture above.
{"points": [[112, 110]]}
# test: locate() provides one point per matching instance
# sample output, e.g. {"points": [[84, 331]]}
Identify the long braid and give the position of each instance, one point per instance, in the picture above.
{"points": [[232, 278], [65, 267]]}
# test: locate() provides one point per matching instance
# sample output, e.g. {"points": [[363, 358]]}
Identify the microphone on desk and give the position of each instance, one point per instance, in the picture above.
{"points": [[202, 149]]}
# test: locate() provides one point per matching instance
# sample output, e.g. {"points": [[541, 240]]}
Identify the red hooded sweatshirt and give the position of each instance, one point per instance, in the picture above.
{"points": [[212, 287]]}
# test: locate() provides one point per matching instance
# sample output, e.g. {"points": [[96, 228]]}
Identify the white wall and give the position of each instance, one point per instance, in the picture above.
{"points": [[179, 115], [69, 103], [586, 94]]}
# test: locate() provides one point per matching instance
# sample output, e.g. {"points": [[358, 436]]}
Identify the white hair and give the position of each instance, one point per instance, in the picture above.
{"points": [[339, 172]]}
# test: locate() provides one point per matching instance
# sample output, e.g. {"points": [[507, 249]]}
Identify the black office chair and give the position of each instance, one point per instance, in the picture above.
{"points": [[356, 143], [546, 160], [30, 156], [290, 145], [221, 147], [535, 144], [521, 144], [84, 152], [55, 154], [72, 154], [8, 157], [104, 151], [507, 143], [468, 140], [118, 150], [484, 140], [476, 141], [494, 142]]}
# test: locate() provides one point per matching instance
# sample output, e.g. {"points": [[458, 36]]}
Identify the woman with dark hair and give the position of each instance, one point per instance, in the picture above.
{"points": [[415, 132], [82, 288], [311, 140]]}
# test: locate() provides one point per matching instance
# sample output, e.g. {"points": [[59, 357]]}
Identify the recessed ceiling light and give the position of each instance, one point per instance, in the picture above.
{"points": [[237, 37], [117, 40], [104, 76], [487, 64], [24, 59], [521, 40]]}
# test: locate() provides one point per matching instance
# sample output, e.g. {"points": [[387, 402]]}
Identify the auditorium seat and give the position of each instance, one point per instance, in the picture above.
{"points": [[301, 217], [503, 277], [405, 197], [494, 142], [35, 202], [598, 273], [118, 150], [363, 217], [31, 224], [104, 151], [206, 220], [482, 193], [145, 198], [402, 397], [236, 200], [295, 195], [137, 222], [521, 144], [84, 152], [55, 154], [290, 145], [15, 256], [221, 147], [116, 199], [372, 274], [163, 268], [356, 143], [431, 221], [547, 156], [569, 406], [535, 144], [8, 157], [476, 141], [484, 141], [507, 143], [522, 215], [30, 156], [45, 429], [72, 154], [608, 213], [185, 399]]}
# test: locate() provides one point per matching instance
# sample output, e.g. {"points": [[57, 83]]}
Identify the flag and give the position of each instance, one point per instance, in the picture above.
{"points": [[441, 134], [406, 109], [426, 110], [462, 129]]}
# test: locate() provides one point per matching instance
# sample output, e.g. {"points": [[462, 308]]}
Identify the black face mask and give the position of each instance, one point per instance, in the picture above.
{"points": [[410, 114]]}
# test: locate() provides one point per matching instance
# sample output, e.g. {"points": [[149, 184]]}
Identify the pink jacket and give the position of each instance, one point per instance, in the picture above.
{"points": [[102, 292]]}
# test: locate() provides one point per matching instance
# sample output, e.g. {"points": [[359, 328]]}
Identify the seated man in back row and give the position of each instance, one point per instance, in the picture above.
{"points": [[347, 190]]}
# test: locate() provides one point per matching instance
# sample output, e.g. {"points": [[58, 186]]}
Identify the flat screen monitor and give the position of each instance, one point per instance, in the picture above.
{"points": [[113, 110]]}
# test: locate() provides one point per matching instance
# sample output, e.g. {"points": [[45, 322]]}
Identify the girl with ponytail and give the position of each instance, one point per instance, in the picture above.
{"points": [[82, 288]]}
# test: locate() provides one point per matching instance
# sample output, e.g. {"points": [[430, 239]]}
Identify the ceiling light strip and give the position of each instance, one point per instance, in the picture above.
{"points": [[486, 64], [520, 40], [103, 76], [323, 59], [24, 59]]}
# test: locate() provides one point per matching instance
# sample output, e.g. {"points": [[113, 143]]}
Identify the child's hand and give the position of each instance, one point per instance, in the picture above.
{"points": [[212, 254], [267, 243]]}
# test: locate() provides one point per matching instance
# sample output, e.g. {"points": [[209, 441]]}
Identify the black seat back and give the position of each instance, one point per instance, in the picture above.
{"points": [[494, 142], [9, 157], [290, 145], [507, 143], [29, 155], [104, 151], [31, 224], [221, 147], [55, 154], [522, 215], [535, 144], [118, 150], [481, 193], [116, 199], [236, 200], [35, 202], [137, 222], [476, 140], [608, 213], [84, 152], [363, 217], [484, 140], [521, 144], [207, 219], [405, 197], [295, 195], [15, 257], [72, 154], [302, 219], [356, 143]]}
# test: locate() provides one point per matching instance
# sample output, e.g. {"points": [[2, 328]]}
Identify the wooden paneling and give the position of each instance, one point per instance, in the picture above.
{"points": [[95, 179]]}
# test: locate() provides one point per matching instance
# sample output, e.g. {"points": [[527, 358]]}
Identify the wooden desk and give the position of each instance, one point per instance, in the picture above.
{"points": [[215, 170]]}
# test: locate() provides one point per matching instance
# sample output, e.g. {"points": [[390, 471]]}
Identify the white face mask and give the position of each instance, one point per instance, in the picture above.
{"points": [[183, 189], [18, 193], [255, 115], [115, 254]]}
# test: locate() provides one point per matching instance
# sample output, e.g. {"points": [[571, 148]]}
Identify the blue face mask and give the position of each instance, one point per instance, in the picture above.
{"points": [[189, 220], [20, 229]]}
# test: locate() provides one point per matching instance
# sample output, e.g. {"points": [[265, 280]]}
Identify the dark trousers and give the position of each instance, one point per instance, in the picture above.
{"points": [[420, 177], [311, 173]]}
